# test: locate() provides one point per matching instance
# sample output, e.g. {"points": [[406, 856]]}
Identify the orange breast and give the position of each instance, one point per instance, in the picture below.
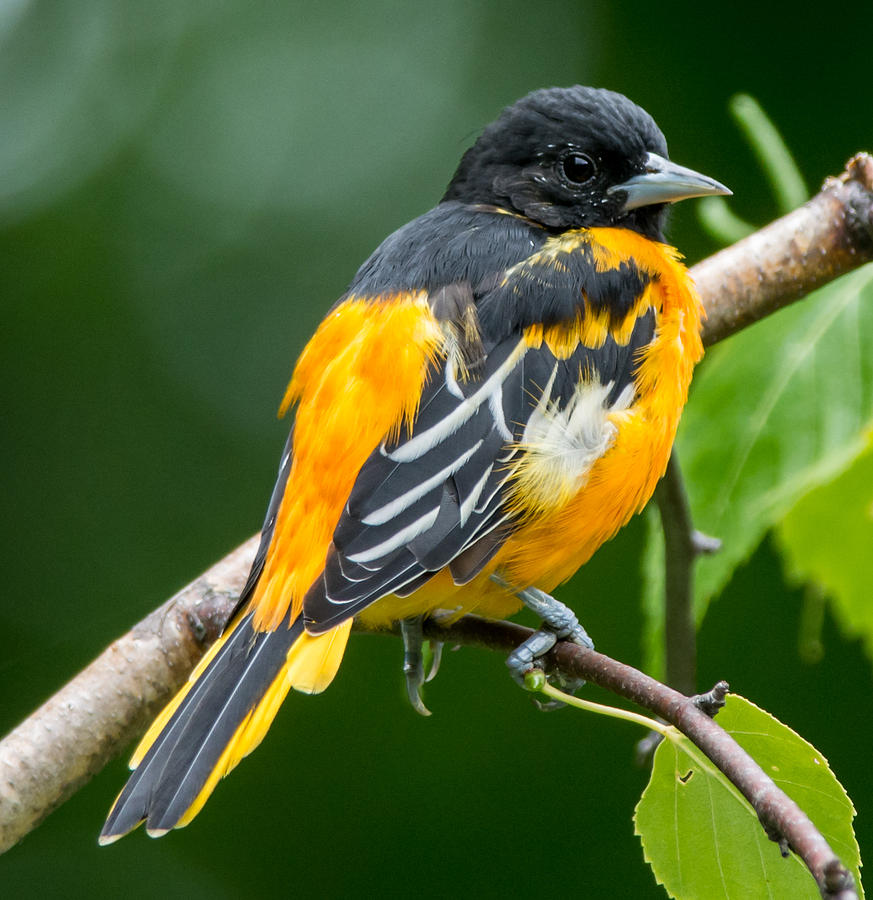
{"points": [[556, 541]]}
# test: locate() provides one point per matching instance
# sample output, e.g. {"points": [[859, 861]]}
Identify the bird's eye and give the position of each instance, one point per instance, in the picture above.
{"points": [[577, 168]]}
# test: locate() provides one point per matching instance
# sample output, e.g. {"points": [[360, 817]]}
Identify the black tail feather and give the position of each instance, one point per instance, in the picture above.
{"points": [[178, 764]]}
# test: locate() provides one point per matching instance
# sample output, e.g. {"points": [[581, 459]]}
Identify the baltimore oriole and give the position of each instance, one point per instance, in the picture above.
{"points": [[494, 396]]}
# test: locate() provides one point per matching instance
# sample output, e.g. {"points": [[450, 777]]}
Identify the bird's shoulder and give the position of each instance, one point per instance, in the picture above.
{"points": [[514, 273], [452, 243]]}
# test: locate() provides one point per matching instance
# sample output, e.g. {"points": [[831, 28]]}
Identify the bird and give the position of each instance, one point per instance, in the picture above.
{"points": [[492, 398]]}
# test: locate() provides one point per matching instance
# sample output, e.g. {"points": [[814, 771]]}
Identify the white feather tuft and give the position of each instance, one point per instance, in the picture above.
{"points": [[562, 444]]}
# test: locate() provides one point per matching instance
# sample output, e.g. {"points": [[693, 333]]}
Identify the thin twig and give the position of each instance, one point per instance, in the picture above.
{"points": [[680, 552], [683, 543], [788, 259]]}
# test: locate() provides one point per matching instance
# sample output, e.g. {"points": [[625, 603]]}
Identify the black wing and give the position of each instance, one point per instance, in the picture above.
{"points": [[436, 497]]}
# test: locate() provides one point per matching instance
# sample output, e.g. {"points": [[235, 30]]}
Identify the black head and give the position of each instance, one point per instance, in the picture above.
{"points": [[576, 157]]}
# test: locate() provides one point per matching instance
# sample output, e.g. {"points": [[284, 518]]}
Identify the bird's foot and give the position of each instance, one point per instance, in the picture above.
{"points": [[559, 623]]}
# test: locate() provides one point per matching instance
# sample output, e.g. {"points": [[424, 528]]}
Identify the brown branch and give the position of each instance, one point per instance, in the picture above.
{"points": [[680, 552], [826, 237], [782, 819], [72, 736], [69, 738]]}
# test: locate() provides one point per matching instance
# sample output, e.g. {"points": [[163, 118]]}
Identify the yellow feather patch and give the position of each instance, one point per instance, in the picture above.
{"points": [[609, 249], [314, 659], [560, 446], [358, 381], [594, 328], [649, 298]]}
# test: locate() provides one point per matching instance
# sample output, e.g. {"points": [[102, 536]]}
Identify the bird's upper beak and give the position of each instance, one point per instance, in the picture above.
{"points": [[665, 182]]}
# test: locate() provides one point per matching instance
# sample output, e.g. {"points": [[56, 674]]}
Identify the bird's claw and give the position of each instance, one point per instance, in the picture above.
{"points": [[436, 656], [559, 623], [413, 663]]}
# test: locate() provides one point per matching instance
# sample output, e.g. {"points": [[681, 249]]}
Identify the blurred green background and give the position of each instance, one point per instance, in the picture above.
{"points": [[185, 188]]}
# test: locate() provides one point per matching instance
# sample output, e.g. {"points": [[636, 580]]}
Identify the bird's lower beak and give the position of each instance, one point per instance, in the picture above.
{"points": [[665, 182]]}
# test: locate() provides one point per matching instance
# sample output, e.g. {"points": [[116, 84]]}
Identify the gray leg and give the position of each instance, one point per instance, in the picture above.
{"points": [[559, 623], [557, 616], [413, 666]]}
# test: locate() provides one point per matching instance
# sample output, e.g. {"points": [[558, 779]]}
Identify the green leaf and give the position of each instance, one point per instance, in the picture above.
{"points": [[827, 538], [776, 411], [703, 840], [773, 154], [716, 215]]}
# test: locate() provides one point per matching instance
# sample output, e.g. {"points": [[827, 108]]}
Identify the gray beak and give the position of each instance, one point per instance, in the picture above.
{"points": [[665, 182]]}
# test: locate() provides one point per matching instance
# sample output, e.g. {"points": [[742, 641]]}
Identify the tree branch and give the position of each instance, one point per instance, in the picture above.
{"points": [[96, 715], [783, 262], [682, 545], [72, 736], [781, 817]]}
